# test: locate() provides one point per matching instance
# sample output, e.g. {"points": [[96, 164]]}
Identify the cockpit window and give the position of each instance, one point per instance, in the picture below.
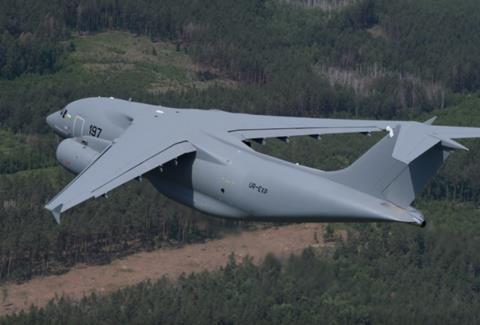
{"points": [[64, 114]]}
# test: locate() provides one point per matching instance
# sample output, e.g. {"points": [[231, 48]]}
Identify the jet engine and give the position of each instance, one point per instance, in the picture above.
{"points": [[75, 154]]}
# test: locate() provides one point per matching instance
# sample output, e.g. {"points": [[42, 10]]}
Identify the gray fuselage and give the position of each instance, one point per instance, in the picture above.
{"points": [[234, 184], [233, 181], [203, 158]]}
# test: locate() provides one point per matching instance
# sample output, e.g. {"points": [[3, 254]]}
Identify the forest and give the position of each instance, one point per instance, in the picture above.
{"points": [[387, 274], [378, 59]]}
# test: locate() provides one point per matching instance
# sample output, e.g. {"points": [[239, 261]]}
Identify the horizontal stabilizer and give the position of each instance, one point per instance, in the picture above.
{"points": [[415, 139], [452, 144]]}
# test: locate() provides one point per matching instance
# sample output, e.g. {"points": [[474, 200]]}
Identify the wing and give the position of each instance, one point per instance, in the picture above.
{"points": [[130, 156], [246, 126], [414, 138]]}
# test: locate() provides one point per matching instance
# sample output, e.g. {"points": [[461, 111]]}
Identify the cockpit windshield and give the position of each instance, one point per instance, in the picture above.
{"points": [[64, 113]]}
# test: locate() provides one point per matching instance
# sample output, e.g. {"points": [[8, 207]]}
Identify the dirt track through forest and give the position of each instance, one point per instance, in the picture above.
{"points": [[170, 262]]}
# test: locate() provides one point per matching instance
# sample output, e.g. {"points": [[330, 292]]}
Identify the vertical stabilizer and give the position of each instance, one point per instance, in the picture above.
{"points": [[379, 174]]}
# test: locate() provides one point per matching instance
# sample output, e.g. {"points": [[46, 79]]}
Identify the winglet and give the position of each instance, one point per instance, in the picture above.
{"points": [[56, 213], [430, 121]]}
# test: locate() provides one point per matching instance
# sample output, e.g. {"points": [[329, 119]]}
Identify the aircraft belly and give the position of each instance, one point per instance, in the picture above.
{"points": [[216, 187], [267, 190], [249, 187], [253, 185], [176, 182]]}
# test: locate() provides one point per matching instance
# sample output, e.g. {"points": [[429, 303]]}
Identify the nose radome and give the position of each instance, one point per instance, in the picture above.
{"points": [[51, 119]]}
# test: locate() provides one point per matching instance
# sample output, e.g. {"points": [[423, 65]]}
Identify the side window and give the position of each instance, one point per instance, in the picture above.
{"points": [[78, 125]]}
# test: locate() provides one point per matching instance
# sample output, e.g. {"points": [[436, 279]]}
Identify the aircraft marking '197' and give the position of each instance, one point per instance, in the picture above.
{"points": [[95, 131]]}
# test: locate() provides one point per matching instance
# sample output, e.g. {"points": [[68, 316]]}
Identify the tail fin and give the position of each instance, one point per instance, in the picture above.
{"points": [[399, 181]]}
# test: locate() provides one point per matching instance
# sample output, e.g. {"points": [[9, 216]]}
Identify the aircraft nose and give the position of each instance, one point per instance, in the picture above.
{"points": [[51, 119]]}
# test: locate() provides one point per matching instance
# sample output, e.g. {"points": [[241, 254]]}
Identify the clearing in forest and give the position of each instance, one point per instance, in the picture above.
{"points": [[169, 262]]}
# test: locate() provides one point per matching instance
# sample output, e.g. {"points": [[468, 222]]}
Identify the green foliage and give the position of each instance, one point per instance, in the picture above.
{"points": [[438, 39], [30, 39], [133, 218], [20, 152], [459, 178]]}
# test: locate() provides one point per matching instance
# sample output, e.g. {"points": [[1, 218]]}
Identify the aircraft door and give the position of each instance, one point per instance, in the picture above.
{"points": [[78, 125]]}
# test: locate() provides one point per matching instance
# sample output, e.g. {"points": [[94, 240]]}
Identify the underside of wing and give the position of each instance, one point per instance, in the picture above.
{"points": [[283, 133], [132, 155]]}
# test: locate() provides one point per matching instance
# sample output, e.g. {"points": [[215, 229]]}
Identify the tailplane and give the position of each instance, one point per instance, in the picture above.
{"points": [[398, 167]]}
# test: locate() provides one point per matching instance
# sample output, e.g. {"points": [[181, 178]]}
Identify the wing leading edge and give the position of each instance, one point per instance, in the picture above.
{"points": [[248, 127], [127, 158]]}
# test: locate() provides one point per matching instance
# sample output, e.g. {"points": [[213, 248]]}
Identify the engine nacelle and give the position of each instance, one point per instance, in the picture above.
{"points": [[75, 154]]}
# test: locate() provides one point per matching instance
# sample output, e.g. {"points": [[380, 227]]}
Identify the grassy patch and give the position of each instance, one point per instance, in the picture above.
{"points": [[465, 112], [451, 216], [137, 61], [21, 151]]}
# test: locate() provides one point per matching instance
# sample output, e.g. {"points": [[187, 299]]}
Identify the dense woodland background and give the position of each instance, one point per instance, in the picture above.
{"points": [[408, 59]]}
